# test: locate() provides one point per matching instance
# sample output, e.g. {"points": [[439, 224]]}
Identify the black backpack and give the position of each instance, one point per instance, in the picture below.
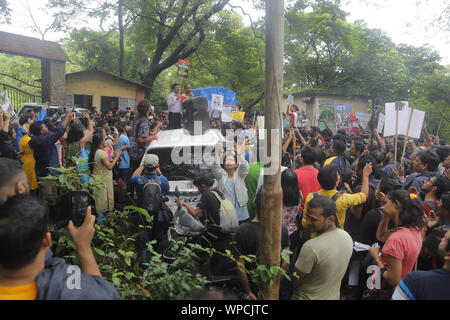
{"points": [[151, 195]]}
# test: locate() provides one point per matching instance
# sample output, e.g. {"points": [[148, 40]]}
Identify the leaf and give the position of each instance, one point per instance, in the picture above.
{"points": [[99, 252]]}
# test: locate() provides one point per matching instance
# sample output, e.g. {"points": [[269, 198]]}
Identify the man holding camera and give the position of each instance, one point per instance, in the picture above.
{"points": [[24, 272]]}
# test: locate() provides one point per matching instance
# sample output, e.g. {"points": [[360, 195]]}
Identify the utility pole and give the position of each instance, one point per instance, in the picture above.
{"points": [[271, 189]]}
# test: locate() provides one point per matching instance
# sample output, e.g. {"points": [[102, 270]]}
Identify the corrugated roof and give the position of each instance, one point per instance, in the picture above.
{"points": [[31, 47], [106, 74]]}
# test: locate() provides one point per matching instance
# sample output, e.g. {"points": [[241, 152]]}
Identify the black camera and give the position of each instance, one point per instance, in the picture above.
{"points": [[70, 206]]}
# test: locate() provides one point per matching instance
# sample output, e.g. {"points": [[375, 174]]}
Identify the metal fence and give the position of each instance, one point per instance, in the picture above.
{"points": [[17, 96]]}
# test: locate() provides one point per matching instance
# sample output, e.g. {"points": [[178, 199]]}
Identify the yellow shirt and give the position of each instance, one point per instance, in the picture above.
{"points": [[26, 292], [28, 161], [344, 202], [328, 161]]}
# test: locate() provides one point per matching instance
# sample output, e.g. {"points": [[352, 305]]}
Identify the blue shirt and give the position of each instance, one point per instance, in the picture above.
{"points": [[138, 184], [19, 133], [125, 157]]}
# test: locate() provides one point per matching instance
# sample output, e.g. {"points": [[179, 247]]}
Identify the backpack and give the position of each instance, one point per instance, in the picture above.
{"points": [[334, 198], [152, 196], [228, 217]]}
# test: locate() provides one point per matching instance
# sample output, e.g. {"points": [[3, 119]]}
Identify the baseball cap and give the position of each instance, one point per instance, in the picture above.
{"points": [[150, 160]]}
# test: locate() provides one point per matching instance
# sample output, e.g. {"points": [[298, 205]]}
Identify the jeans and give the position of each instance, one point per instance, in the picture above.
{"points": [[124, 174]]}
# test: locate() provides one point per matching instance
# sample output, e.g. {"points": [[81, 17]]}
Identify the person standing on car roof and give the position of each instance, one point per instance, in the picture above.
{"points": [[140, 134], [174, 104]]}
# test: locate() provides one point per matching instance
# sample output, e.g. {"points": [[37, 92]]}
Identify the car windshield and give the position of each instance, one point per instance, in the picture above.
{"points": [[37, 110], [178, 172]]}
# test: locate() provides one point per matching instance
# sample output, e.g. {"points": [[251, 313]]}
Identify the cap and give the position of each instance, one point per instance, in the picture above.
{"points": [[150, 160]]}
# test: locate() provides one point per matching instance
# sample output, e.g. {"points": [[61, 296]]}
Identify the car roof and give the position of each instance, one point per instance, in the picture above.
{"points": [[181, 138]]}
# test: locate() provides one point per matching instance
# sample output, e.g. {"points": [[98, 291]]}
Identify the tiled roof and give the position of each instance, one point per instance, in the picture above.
{"points": [[31, 47]]}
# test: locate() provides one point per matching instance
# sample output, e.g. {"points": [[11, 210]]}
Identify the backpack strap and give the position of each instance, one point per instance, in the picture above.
{"points": [[336, 196]]}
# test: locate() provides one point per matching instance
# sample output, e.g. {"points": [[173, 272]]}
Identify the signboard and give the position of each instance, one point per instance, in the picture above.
{"points": [[226, 114], [183, 68], [380, 125], [237, 116], [290, 100]]}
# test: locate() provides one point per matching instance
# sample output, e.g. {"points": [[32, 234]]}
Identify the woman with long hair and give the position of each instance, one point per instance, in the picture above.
{"points": [[292, 199], [74, 145], [101, 168], [404, 242]]}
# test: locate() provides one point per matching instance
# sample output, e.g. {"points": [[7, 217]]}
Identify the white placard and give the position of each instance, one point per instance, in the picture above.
{"points": [[390, 119], [261, 126], [403, 118], [226, 114], [416, 124], [380, 125]]}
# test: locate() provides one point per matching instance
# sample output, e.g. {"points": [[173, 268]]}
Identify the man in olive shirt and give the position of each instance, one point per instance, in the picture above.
{"points": [[322, 261]]}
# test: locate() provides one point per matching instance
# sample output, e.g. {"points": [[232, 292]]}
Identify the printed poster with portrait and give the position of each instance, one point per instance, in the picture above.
{"points": [[216, 105]]}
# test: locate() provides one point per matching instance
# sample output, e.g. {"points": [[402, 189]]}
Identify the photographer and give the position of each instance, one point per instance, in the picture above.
{"points": [[24, 273]]}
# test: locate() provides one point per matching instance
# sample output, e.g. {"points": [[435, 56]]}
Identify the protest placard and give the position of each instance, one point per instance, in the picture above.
{"points": [[226, 114], [183, 69], [6, 105], [260, 120], [417, 119], [363, 119], [237, 116], [216, 104]]}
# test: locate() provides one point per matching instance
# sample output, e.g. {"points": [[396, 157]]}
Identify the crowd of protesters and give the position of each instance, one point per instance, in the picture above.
{"points": [[342, 191]]}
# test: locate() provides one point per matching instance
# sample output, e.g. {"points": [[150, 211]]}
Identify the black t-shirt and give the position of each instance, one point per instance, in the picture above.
{"points": [[210, 206], [6, 149], [248, 238], [369, 226]]}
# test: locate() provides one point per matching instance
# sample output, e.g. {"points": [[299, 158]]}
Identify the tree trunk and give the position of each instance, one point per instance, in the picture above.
{"points": [[250, 105], [121, 38]]}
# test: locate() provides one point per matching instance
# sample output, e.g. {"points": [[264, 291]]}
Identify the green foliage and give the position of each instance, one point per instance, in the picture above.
{"points": [[23, 68], [4, 12]]}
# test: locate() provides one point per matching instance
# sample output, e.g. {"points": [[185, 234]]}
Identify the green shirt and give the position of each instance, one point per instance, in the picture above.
{"points": [[251, 182], [324, 259]]}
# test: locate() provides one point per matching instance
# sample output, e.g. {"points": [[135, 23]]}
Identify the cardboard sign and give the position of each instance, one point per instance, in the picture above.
{"points": [[183, 68], [237, 116], [226, 114]]}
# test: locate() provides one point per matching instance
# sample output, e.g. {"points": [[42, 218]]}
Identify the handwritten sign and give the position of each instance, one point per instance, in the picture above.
{"points": [[183, 68], [237, 116]]}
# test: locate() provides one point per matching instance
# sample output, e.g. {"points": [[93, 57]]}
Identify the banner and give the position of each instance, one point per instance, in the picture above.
{"points": [[226, 114], [326, 112], [237, 116], [6, 105], [343, 112], [183, 68]]}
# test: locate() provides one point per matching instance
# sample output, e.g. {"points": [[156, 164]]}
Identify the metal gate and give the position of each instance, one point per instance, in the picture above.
{"points": [[18, 96]]}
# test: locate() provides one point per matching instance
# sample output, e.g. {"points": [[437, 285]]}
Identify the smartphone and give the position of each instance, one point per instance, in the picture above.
{"points": [[80, 202]]}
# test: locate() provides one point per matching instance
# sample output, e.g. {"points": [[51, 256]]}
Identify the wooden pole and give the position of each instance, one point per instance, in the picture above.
{"points": [[407, 136], [439, 127], [271, 192], [396, 132]]}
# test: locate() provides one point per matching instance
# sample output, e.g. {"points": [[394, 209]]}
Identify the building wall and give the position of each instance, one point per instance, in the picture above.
{"points": [[358, 104], [97, 85]]}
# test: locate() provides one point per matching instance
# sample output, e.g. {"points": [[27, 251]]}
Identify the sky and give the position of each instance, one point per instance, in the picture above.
{"points": [[402, 20]]}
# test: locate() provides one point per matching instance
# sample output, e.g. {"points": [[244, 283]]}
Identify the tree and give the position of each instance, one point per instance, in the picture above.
{"points": [[5, 12]]}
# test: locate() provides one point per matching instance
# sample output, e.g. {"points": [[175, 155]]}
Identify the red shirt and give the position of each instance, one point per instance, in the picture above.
{"points": [[404, 244], [307, 181]]}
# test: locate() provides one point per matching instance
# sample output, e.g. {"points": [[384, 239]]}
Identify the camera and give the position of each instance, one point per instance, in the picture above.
{"points": [[71, 205]]}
